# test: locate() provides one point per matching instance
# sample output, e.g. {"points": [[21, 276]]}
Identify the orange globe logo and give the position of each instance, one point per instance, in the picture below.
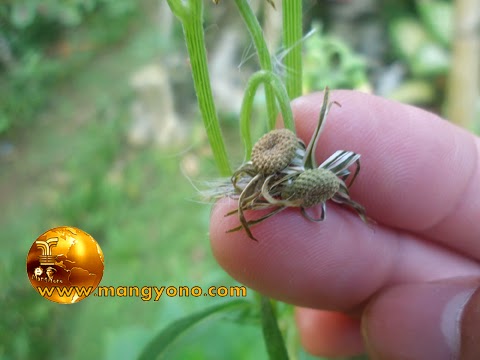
{"points": [[65, 265]]}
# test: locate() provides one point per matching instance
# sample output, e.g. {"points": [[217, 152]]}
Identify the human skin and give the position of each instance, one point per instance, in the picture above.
{"points": [[406, 287]]}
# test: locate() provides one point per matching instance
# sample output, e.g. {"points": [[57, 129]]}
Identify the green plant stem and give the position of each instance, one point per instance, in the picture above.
{"points": [[191, 16], [292, 43], [264, 58], [272, 335], [268, 78]]}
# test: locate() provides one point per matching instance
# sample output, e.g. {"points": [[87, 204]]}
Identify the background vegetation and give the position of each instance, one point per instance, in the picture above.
{"points": [[74, 150]]}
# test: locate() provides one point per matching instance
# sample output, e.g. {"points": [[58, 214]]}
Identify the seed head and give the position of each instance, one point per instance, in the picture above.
{"points": [[274, 151], [312, 187]]}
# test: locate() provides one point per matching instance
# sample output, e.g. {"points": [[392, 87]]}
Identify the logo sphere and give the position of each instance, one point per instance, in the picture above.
{"points": [[65, 265]]}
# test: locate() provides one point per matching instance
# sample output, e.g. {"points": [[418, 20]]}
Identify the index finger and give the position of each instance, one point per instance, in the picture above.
{"points": [[419, 172]]}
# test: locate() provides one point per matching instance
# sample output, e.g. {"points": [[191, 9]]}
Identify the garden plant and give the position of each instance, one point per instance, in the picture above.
{"points": [[282, 172]]}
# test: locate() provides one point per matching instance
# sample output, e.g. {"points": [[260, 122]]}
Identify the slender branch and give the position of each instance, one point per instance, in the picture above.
{"points": [[264, 58]]}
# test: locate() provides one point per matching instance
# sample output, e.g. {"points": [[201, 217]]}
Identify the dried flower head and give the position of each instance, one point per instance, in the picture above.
{"points": [[274, 151], [312, 187], [283, 173]]}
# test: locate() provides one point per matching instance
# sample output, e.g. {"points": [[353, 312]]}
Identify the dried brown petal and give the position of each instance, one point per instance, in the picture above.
{"points": [[274, 151], [312, 187]]}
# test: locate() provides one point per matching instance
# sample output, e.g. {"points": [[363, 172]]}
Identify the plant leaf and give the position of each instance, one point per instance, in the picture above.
{"points": [[162, 341], [271, 333]]}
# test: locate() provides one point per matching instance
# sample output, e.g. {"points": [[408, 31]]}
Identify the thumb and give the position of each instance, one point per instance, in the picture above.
{"points": [[436, 320]]}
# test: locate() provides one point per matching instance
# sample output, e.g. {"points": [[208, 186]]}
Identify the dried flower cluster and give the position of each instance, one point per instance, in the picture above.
{"points": [[283, 173]]}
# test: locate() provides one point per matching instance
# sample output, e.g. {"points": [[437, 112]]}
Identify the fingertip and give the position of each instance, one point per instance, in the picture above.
{"points": [[329, 334], [418, 172]]}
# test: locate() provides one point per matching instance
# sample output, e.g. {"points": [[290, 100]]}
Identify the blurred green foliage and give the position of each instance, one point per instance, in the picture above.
{"points": [[150, 235], [328, 61], [24, 14], [421, 37], [38, 47]]}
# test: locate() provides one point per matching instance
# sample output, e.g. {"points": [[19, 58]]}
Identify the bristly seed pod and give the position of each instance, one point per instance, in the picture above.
{"points": [[274, 151], [312, 187]]}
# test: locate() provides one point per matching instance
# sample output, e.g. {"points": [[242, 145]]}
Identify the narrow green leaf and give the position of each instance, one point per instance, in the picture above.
{"points": [[158, 346], [271, 333]]}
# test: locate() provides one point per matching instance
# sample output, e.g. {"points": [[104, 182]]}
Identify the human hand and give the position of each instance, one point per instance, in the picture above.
{"points": [[407, 287]]}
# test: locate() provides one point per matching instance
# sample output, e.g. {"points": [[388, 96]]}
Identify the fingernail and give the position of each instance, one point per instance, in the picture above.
{"points": [[451, 318], [422, 321], [470, 328]]}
